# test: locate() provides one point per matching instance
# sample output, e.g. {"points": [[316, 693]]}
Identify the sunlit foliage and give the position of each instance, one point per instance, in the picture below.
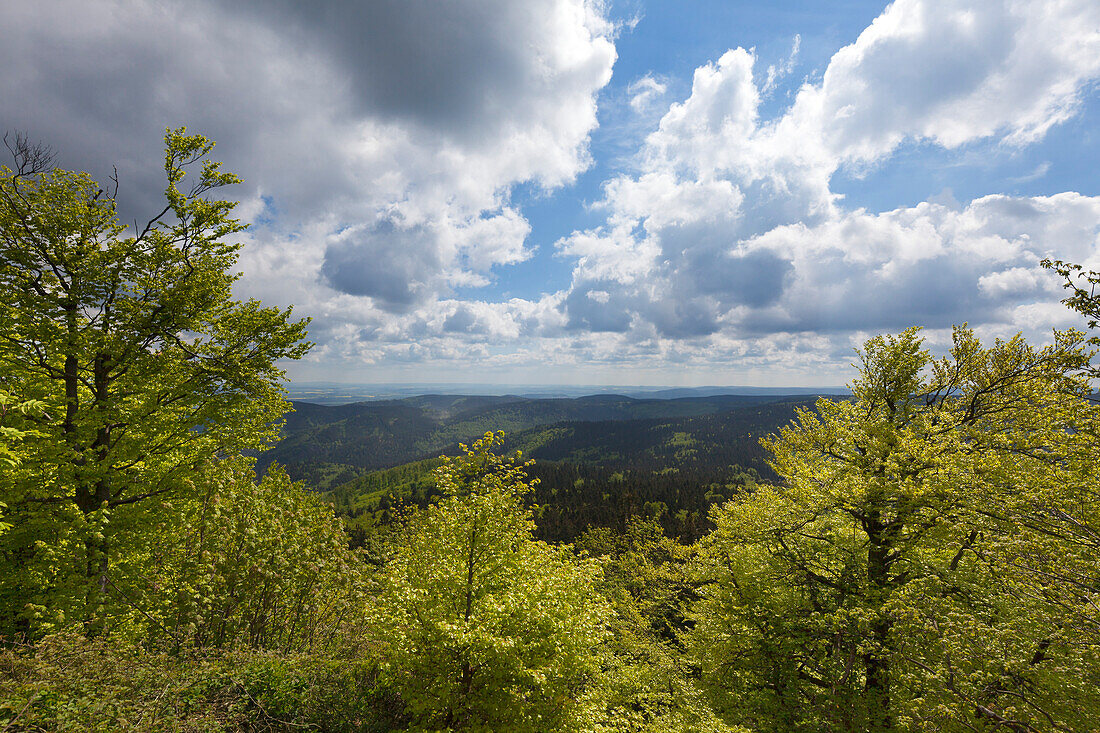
{"points": [[899, 576], [145, 365], [481, 626]]}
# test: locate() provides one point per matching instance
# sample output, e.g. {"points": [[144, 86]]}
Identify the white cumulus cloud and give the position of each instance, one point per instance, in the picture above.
{"points": [[731, 234]]}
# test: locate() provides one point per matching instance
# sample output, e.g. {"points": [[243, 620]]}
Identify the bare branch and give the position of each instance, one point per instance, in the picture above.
{"points": [[30, 158]]}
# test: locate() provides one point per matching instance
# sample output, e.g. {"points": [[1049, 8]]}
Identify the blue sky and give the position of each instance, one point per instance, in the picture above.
{"points": [[668, 41], [584, 192]]}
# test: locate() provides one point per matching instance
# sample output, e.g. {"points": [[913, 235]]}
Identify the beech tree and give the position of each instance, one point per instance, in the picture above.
{"points": [[480, 626], [899, 576], [10, 437], [146, 365], [651, 683]]}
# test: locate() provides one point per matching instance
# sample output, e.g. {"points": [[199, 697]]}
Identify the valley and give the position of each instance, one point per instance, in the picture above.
{"points": [[599, 459]]}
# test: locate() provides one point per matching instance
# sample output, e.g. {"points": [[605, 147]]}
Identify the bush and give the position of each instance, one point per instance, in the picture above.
{"points": [[67, 682]]}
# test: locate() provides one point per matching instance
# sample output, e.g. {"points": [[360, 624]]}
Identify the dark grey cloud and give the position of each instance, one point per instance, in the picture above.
{"points": [[701, 275], [930, 265], [389, 263], [935, 293], [100, 83], [598, 306], [443, 64], [328, 108], [683, 317], [702, 259], [463, 320], [378, 140], [461, 67]]}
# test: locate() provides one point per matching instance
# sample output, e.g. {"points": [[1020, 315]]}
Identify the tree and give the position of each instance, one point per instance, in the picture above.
{"points": [[248, 563], [146, 364], [481, 627], [1081, 284], [881, 585], [650, 680]]}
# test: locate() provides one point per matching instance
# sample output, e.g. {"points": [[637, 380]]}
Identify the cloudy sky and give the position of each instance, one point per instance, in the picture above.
{"points": [[669, 192]]}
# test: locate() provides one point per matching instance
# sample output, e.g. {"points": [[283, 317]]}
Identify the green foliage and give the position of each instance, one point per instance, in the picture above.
{"points": [[372, 502], [261, 564], [649, 681], [480, 626], [900, 578], [571, 498], [11, 456], [144, 363], [68, 682], [10, 437], [1081, 284]]}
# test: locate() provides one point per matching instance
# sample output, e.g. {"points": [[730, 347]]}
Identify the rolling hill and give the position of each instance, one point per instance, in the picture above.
{"points": [[330, 445], [598, 460]]}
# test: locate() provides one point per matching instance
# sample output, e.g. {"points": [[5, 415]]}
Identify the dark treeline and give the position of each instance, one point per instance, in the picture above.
{"points": [[573, 498], [710, 442], [570, 498]]}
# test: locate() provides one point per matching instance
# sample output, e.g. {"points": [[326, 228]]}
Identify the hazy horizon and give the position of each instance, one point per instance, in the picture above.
{"points": [[334, 393]]}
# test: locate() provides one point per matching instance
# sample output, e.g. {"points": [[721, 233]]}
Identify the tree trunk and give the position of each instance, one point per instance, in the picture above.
{"points": [[93, 488], [877, 661]]}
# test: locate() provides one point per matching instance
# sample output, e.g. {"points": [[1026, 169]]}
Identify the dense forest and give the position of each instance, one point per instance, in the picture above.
{"points": [[567, 499], [328, 446], [590, 471], [923, 556]]}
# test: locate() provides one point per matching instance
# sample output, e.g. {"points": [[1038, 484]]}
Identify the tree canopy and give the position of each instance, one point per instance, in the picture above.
{"points": [[132, 341], [881, 585], [482, 626]]}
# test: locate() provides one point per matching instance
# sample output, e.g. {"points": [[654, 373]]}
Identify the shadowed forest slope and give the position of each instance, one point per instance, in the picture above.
{"points": [[331, 445]]}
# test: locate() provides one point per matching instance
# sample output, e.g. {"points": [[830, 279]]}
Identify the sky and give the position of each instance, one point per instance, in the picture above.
{"points": [[627, 192]]}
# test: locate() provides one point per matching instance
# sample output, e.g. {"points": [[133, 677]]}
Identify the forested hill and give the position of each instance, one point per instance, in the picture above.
{"points": [[330, 445], [602, 472], [704, 442]]}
